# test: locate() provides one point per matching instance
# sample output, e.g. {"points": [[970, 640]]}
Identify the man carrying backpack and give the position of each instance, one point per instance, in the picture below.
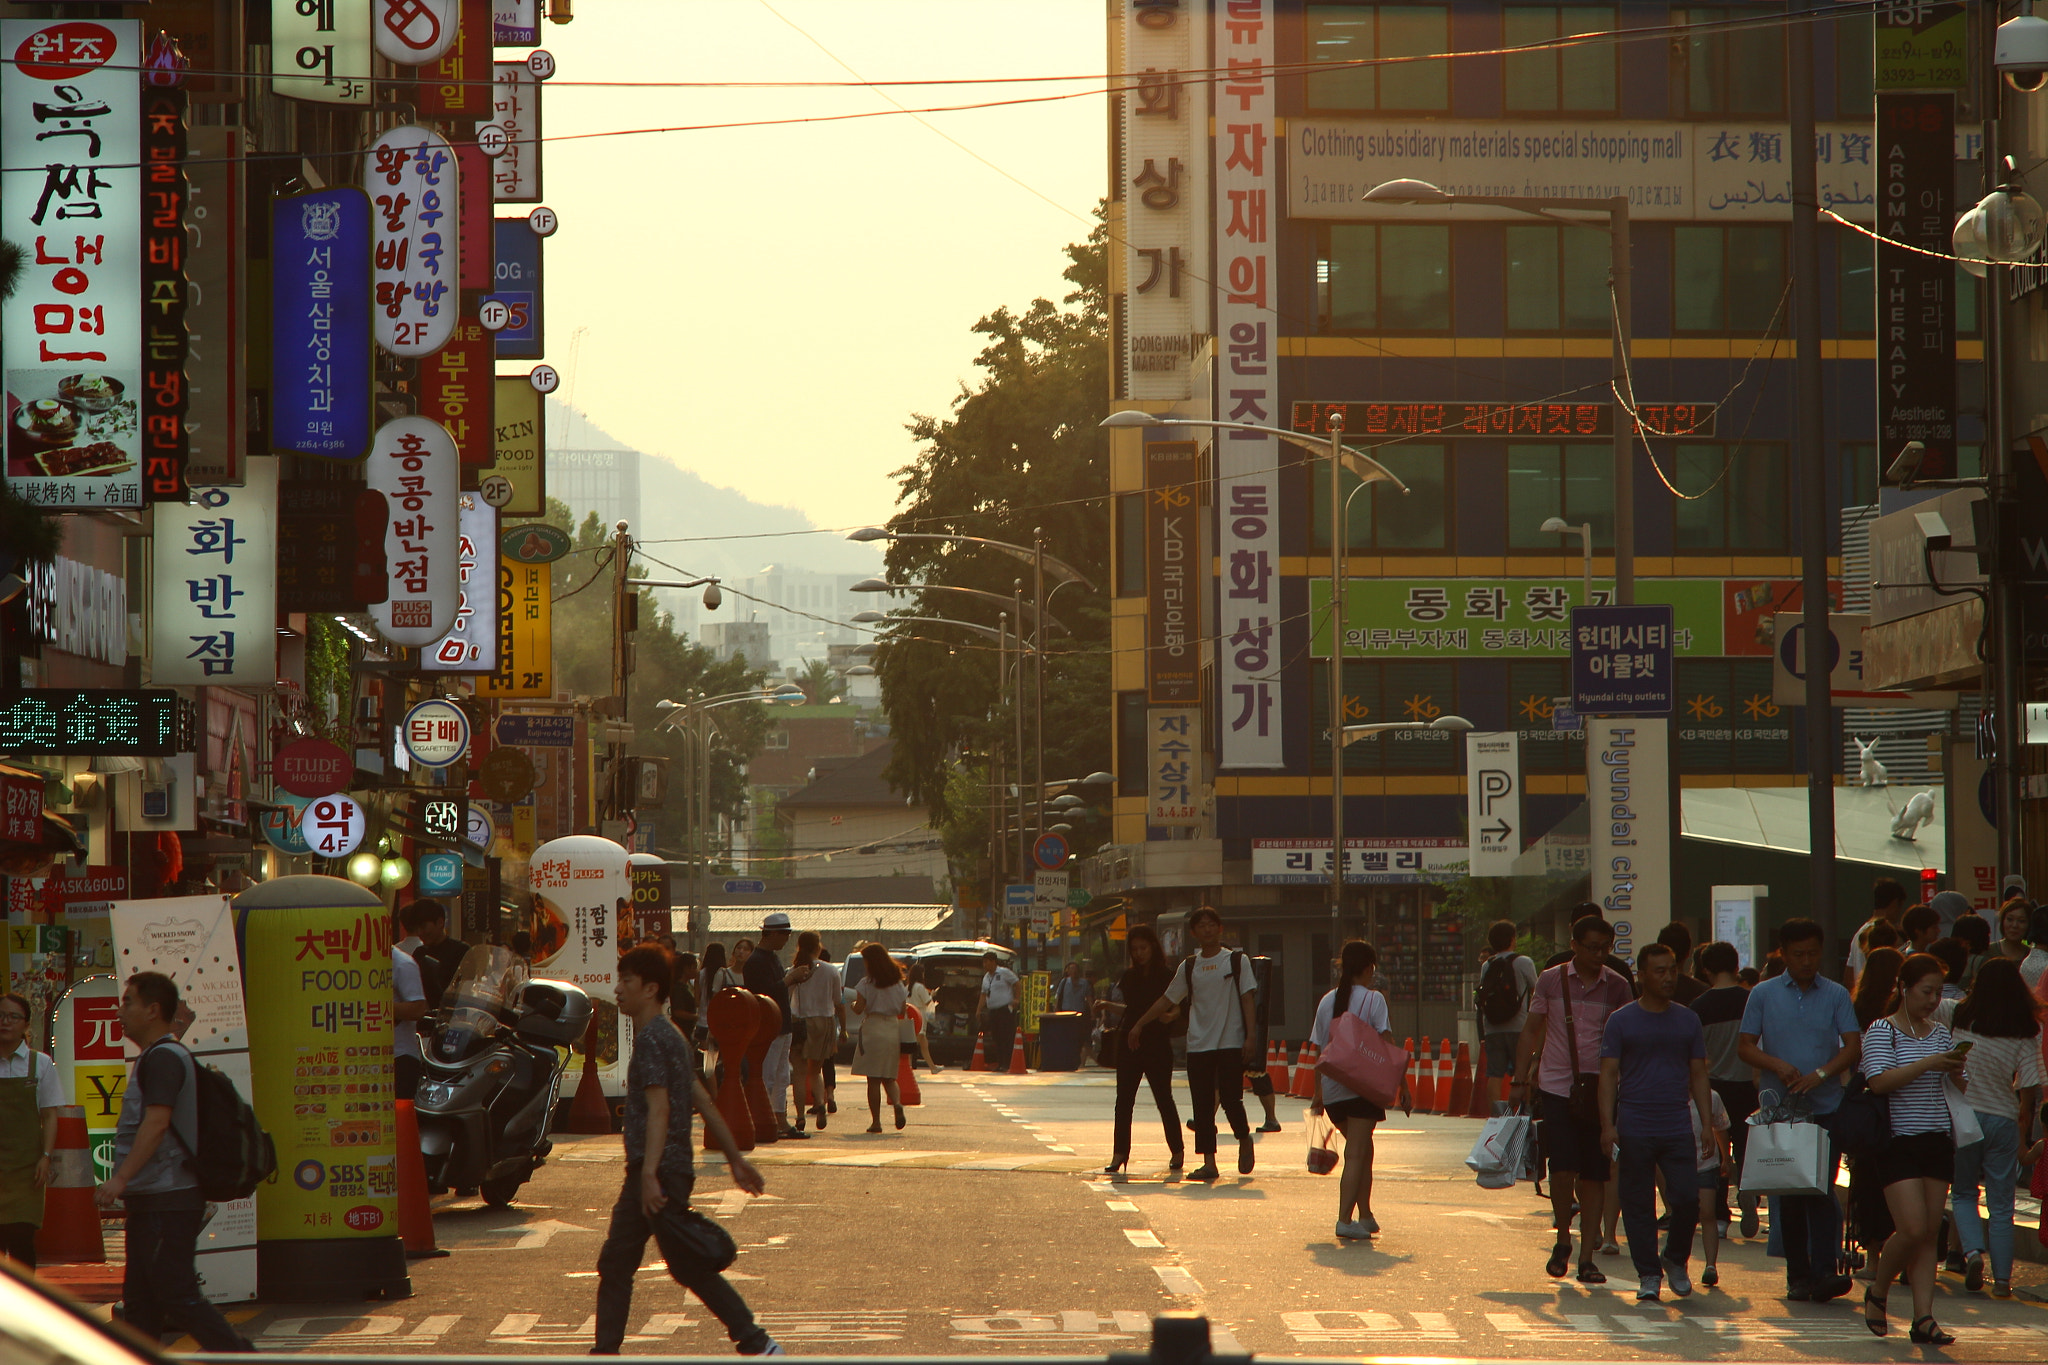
{"points": [[1505, 984], [154, 1145], [1219, 991]]}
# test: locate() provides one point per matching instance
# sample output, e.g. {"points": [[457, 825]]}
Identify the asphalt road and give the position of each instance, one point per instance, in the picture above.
{"points": [[987, 1228]]}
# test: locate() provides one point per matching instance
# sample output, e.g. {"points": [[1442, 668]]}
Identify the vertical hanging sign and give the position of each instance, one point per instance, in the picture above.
{"points": [[216, 262], [1165, 181], [1173, 485], [213, 610], [322, 401], [516, 483], [1916, 304], [165, 293], [71, 199], [413, 183], [526, 639], [472, 645], [455, 389], [516, 109], [413, 464], [320, 50], [457, 83], [1173, 765], [1245, 389], [517, 249]]}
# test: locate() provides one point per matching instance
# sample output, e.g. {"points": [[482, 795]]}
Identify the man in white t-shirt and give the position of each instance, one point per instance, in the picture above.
{"points": [[995, 1013], [409, 1006], [1220, 992]]}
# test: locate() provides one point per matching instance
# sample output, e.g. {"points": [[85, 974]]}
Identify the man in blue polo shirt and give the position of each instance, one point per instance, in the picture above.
{"points": [[1799, 1031]]}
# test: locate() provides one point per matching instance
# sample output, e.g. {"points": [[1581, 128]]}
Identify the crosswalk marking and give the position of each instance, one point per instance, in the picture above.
{"points": [[1176, 1280], [1142, 1237]]}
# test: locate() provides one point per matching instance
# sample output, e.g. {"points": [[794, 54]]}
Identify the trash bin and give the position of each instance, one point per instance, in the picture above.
{"points": [[1061, 1035]]}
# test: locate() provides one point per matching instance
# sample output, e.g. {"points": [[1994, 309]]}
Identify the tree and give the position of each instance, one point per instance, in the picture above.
{"points": [[820, 683], [1020, 455]]}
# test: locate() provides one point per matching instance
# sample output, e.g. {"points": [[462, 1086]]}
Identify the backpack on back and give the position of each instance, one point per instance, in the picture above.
{"points": [[1500, 990], [1187, 1006], [232, 1154]]}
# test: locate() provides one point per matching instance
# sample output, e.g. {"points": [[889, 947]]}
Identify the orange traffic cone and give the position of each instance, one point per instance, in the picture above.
{"points": [[1461, 1082], [1425, 1077], [906, 1072], [1276, 1068], [1304, 1073], [980, 1063], [1443, 1077], [588, 1112], [415, 1214], [1018, 1067], [71, 1222], [1482, 1088]]}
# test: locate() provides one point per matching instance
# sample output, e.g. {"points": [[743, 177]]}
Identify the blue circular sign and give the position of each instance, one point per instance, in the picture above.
{"points": [[281, 824], [1050, 852]]}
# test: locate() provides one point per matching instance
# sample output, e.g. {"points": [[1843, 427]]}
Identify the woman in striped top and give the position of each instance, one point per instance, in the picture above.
{"points": [[2002, 1024], [1907, 1057]]}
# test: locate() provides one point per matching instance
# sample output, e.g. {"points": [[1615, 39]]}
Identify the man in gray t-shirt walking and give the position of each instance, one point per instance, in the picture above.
{"points": [[153, 1144]]}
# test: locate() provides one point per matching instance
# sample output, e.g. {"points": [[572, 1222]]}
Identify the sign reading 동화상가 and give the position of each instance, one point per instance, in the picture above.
{"points": [[71, 199], [414, 188]]}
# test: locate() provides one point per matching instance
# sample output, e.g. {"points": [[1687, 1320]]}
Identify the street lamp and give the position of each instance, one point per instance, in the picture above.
{"points": [[1368, 471], [884, 585], [1552, 209], [1584, 531], [690, 718], [869, 618]]}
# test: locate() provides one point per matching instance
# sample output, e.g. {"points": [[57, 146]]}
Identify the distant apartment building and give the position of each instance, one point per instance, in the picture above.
{"points": [[807, 613], [725, 639]]}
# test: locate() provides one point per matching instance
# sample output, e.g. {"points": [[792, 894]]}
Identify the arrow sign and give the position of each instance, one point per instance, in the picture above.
{"points": [[1493, 801], [535, 1235]]}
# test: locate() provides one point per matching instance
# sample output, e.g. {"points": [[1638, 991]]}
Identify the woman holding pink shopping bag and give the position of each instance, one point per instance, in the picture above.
{"points": [[1351, 1031]]}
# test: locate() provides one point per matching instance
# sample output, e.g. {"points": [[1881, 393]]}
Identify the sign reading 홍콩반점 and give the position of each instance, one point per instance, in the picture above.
{"points": [[414, 465], [71, 199]]}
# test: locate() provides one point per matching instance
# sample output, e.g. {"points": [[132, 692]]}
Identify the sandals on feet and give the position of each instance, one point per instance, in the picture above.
{"points": [[1560, 1260], [1931, 1335], [1881, 1326]]}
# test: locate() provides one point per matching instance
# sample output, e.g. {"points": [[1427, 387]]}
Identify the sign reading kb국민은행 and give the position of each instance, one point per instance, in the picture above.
{"points": [[71, 198], [1173, 516]]}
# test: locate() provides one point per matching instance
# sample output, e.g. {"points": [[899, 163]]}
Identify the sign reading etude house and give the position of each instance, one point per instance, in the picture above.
{"points": [[1173, 499], [321, 51], [411, 177], [1503, 419], [412, 463], [71, 198], [213, 613], [321, 396], [1916, 305]]}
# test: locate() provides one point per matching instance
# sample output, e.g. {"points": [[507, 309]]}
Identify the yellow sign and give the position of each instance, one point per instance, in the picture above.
{"points": [[1037, 1000], [521, 430], [526, 634]]}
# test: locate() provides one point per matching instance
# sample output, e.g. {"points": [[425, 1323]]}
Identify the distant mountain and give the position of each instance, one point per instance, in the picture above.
{"points": [[678, 507]]}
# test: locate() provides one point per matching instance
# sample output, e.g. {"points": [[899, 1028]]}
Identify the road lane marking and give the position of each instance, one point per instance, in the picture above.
{"points": [[1142, 1237], [1175, 1280], [1123, 1206]]}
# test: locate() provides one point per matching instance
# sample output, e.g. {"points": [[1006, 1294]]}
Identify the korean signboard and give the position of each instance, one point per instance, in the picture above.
{"points": [[1916, 306], [583, 892], [71, 196], [1505, 618], [333, 826], [412, 463], [1623, 661], [1166, 184], [516, 109], [473, 167], [1846, 683], [216, 358], [213, 617], [1375, 862], [1628, 773], [518, 287], [320, 50], [435, 733], [515, 23], [321, 396], [456, 385], [457, 84], [413, 184], [166, 294], [1173, 571], [1246, 389], [1493, 808], [1448, 419], [1922, 46], [525, 634], [519, 416], [472, 645], [415, 32], [330, 546], [650, 895], [1173, 766]]}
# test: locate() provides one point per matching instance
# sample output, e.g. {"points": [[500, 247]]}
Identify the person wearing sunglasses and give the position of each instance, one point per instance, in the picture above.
{"points": [[29, 1097]]}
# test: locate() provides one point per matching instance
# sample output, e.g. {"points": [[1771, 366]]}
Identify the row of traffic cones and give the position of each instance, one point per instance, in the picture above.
{"points": [[1018, 1065]]}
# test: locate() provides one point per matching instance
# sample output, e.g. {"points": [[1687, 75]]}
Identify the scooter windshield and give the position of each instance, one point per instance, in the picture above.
{"points": [[486, 988]]}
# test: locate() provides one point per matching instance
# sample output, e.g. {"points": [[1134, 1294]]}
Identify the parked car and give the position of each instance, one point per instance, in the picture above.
{"points": [[40, 1324], [952, 972]]}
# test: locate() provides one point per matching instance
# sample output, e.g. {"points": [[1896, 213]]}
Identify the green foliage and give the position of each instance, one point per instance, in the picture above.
{"points": [[819, 682], [1020, 456], [327, 677]]}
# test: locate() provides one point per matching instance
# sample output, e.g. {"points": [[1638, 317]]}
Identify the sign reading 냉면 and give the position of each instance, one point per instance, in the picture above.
{"points": [[322, 401], [213, 620], [415, 32], [471, 646], [71, 197], [414, 188], [321, 51], [413, 464]]}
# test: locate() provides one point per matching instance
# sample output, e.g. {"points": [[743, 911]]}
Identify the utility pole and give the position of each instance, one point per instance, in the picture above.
{"points": [[2003, 607], [1813, 463], [625, 604]]}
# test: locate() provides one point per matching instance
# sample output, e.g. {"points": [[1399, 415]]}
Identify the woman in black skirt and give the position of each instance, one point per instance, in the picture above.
{"points": [[1354, 1115], [1908, 1057], [1150, 1055]]}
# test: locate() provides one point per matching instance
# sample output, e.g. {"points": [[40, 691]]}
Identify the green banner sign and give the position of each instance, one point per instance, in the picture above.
{"points": [[1923, 47], [1508, 618]]}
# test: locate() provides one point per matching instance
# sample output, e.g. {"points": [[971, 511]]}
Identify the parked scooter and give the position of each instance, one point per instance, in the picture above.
{"points": [[491, 1073]]}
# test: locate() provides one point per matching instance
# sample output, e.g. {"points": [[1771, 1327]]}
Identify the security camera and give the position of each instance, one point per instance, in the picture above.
{"points": [[1906, 465], [2021, 53]]}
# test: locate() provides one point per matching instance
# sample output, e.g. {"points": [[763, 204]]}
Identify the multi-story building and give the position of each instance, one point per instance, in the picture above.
{"points": [[806, 612], [1467, 348]]}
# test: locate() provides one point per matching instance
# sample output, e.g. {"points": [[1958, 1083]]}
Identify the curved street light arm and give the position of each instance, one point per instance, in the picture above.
{"points": [[1059, 568]]}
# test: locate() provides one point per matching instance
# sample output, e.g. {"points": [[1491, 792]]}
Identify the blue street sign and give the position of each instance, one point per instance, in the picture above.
{"points": [[1563, 719], [517, 286], [321, 394], [1050, 852], [1624, 662], [1017, 900], [744, 886], [440, 872], [537, 732]]}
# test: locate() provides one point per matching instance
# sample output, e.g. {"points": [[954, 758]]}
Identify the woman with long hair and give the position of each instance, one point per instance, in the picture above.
{"points": [[1908, 1056], [1875, 987], [1150, 1055], [682, 1000], [1354, 1115], [878, 999], [913, 1037], [2001, 1023]]}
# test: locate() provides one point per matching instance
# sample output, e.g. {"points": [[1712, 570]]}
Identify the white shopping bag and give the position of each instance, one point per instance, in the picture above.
{"points": [[1500, 1151], [1962, 1119], [1786, 1158]]}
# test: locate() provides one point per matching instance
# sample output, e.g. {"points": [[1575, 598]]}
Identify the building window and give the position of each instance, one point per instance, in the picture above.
{"points": [[1381, 519], [1731, 71], [1132, 754], [777, 738], [1743, 510], [1727, 721], [1376, 692], [1727, 279], [1855, 60], [1358, 33], [1856, 289], [1557, 279], [1130, 545], [1393, 277], [1574, 79], [1547, 480]]}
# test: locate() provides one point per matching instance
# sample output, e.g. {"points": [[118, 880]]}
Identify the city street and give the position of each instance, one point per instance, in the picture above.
{"points": [[986, 1227]]}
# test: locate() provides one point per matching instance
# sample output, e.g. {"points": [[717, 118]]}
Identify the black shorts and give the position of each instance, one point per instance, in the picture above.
{"points": [[1341, 1112], [1569, 1146], [1917, 1156]]}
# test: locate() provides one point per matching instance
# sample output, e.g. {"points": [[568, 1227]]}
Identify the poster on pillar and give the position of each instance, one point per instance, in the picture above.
{"points": [[1628, 792], [1493, 807]]}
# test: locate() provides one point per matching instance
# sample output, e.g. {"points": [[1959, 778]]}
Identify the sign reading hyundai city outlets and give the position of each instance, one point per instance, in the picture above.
{"points": [[1623, 661]]}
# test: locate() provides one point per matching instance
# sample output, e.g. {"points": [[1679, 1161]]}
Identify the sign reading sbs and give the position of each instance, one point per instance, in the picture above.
{"points": [[526, 637], [520, 423], [322, 400], [1173, 484], [1166, 181], [413, 464], [213, 613], [321, 51], [472, 646], [1249, 701], [71, 197], [414, 185]]}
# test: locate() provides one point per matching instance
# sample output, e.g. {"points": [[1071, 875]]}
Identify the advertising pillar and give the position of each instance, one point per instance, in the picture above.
{"points": [[1628, 795], [583, 903], [317, 953]]}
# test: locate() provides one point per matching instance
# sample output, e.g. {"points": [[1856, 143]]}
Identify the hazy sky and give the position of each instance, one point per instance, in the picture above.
{"points": [[767, 306]]}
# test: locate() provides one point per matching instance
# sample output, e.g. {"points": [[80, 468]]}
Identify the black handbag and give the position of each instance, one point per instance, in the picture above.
{"points": [[1863, 1121], [681, 1230], [1583, 1101]]}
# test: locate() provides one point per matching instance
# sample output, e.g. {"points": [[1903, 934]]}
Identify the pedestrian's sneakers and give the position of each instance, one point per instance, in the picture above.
{"points": [[1675, 1276], [1749, 1221], [773, 1348], [1711, 1276], [1647, 1291], [1353, 1231]]}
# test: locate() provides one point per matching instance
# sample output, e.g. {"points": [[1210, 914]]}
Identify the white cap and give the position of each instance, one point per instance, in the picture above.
{"points": [[775, 919]]}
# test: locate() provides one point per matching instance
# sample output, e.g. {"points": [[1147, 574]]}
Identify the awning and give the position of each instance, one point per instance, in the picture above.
{"points": [[825, 919], [1775, 818]]}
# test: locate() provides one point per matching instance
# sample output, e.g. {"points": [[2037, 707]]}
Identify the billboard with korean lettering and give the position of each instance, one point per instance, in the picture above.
{"points": [[71, 196], [515, 23], [413, 183], [321, 50], [456, 387], [515, 107], [1173, 765], [322, 398], [1173, 500], [1506, 618], [526, 636], [1623, 661], [166, 294], [517, 285], [472, 645], [582, 892], [1165, 194], [413, 464], [457, 84], [213, 610]]}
